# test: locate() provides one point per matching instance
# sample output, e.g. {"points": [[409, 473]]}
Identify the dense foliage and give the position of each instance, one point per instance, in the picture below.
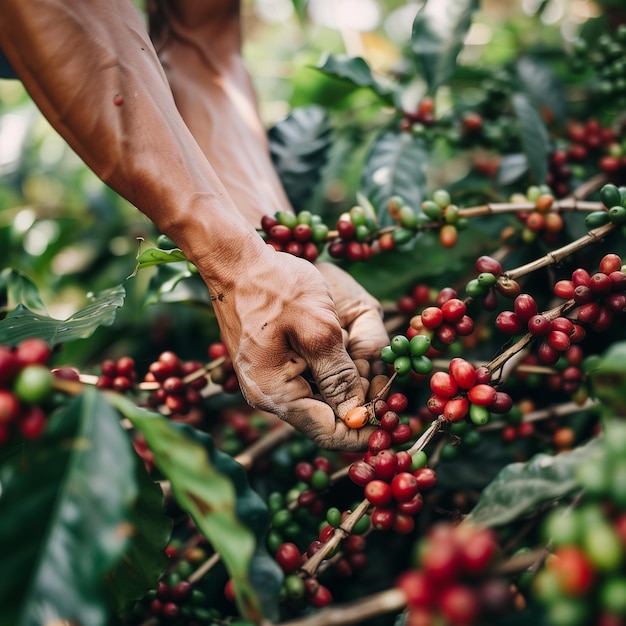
{"points": [[481, 198]]}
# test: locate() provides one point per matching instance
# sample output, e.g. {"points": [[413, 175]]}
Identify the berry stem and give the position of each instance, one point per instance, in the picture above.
{"points": [[554, 256], [262, 446]]}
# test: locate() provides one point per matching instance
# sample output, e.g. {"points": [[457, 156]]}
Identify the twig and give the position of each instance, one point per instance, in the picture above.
{"points": [[555, 256], [268, 442], [354, 612], [560, 410]]}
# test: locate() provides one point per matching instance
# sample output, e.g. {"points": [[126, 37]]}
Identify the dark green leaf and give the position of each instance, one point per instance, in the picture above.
{"points": [[520, 487], [64, 514], [439, 31], [299, 146], [396, 166], [22, 323], [16, 288], [534, 135], [512, 168], [538, 79], [206, 494], [355, 70], [145, 560], [265, 575]]}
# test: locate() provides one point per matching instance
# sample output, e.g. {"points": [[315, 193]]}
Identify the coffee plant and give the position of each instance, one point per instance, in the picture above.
{"points": [[482, 199]]}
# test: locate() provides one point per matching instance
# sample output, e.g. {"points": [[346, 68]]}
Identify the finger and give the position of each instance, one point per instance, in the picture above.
{"points": [[367, 335], [317, 421], [376, 386]]}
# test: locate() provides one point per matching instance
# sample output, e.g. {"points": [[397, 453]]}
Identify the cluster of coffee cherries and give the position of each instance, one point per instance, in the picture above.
{"points": [[179, 382], [392, 480], [598, 296], [299, 234], [419, 117], [25, 386], [614, 199], [556, 334], [485, 284], [440, 210], [584, 578], [542, 219], [605, 56], [355, 230], [443, 321], [451, 582], [464, 392]]}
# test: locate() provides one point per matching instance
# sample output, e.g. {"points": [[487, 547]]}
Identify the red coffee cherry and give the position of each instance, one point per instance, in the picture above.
{"points": [[453, 310], [379, 440], [389, 421], [412, 506], [397, 402], [443, 385], [418, 589], [382, 517], [426, 477], [401, 434], [378, 492], [463, 372], [432, 317], [385, 465], [488, 264], [564, 289], [456, 409], [404, 486], [525, 307], [610, 263], [482, 395], [459, 604], [508, 322], [589, 312], [558, 340], [538, 325], [288, 557], [32, 352], [600, 284], [403, 523], [547, 354]]}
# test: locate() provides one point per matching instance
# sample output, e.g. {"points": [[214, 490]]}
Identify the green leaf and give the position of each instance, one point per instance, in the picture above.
{"points": [[176, 283], [439, 30], [520, 487], [299, 148], [144, 561], [356, 71], [16, 288], [538, 79], [300, 7], [206, 494], [608, 378], [396, 166], [265, 575], [22, 323], [64, 513], [534, 136], [512, 168], [156, 256]]}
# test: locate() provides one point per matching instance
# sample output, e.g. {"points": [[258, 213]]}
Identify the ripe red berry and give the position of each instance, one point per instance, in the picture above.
{"points": [[539, 325], [379, 440], [600, 284], [418, 589], [564, 289], [443, 384], [508, 322], [581, 277], [463, 372], [404, 486], [378, 492], [397, 402], [9, 406], [361, 473], [288, 556], [453, 310], [525, 307], [488, 264], [432, 317], [403, 523], [32, 352], [383, 517], [459, 604], [385, 464], [426, 477], [32, 422], [322, 597], [389, 421], [456, 409], [482, 395], [401, 434], [411, 506], [558, 340], [610, 263]]}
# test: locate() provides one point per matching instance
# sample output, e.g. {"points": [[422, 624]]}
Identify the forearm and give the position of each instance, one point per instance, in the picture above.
{"points": [[93, 72]]}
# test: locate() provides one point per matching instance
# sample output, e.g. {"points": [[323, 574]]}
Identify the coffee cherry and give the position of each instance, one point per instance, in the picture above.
{"points": [[361, 473], [482, 395], [378, 492], [488, 264], [9, 365], [32, 352], [443, 385], [357, 417], [459, 604], [539, 325], [456, 409], [404, 486], [432, 317], [453, 310], [383, 517], [426, 478], [379, 440], [508, 322], [288, 557], [9, 406], [32, 422], [33, 384], [525, 307]]}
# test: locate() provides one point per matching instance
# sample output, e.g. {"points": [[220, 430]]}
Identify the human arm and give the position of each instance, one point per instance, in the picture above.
{"points": [[92, 70]]}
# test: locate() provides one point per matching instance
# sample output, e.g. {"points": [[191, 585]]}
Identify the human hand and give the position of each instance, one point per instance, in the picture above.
{"points": [[361, 319], [282, 329]]}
